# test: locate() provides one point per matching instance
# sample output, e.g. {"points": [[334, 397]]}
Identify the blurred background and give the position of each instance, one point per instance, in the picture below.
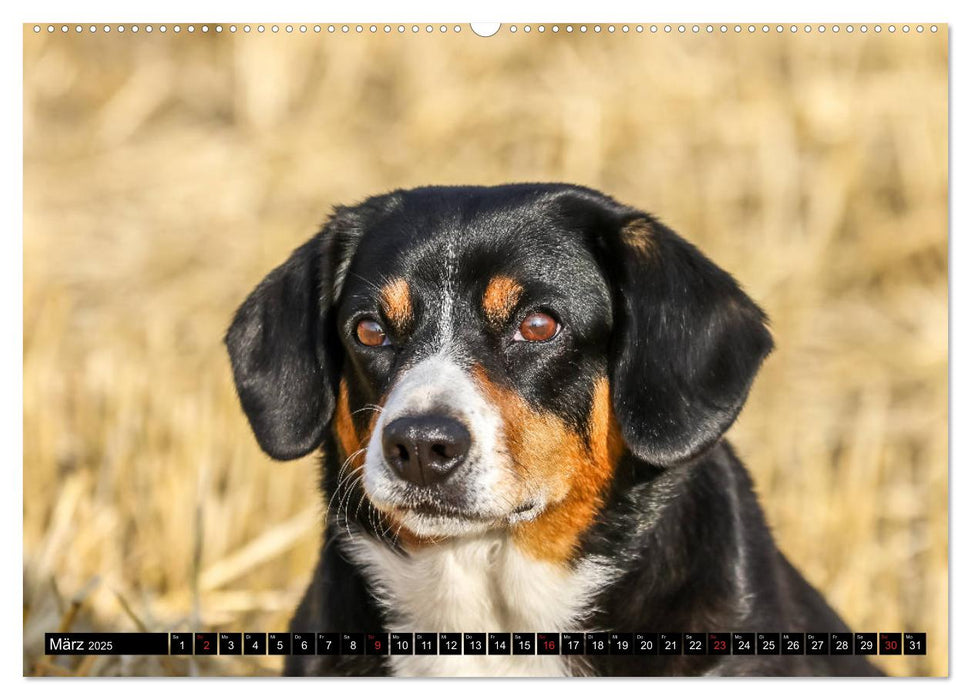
{"points": [[166, 174]]}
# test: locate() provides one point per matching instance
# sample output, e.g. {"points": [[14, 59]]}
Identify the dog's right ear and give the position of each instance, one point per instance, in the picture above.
{"points": [[284, 353]]}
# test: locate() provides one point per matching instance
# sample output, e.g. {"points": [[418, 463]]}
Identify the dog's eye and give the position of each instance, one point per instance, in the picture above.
{"points": [[537, 327], [371, 333]]}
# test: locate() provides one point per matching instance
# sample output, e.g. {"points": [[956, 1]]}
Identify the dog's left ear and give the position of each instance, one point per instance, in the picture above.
{"points": [[687, 342], [284, 357]]}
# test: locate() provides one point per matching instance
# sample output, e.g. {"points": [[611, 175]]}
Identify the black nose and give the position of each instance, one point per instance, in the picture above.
{"points": [[425, 449]]}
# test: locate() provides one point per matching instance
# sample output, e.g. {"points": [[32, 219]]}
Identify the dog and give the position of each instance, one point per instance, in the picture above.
{"points": [[520, 394]]}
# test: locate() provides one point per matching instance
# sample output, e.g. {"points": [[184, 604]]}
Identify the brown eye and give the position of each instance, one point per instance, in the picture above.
{"points": [[537, 327], [370, 333]]}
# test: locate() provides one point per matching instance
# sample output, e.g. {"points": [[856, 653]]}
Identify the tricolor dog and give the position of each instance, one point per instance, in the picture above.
{"points": [[520, 395]]}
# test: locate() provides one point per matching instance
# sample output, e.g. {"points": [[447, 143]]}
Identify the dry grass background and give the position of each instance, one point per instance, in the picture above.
{"points": [[165, 175]]}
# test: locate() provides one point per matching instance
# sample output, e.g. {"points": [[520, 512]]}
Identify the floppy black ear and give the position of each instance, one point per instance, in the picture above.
{"points": [[283, 354], [687, 343]]}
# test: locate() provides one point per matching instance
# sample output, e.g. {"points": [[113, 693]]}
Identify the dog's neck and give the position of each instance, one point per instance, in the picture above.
{"points": [[480, 583]]}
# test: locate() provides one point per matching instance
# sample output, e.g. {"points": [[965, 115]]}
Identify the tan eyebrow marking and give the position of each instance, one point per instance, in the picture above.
{"points": [[639, 235], [396, 300], [500, 298]]}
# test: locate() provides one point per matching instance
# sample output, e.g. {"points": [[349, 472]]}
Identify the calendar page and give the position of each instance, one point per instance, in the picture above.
{"points": [[485, 350]]}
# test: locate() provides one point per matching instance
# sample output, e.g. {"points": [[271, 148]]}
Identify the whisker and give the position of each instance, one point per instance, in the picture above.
{"points": [[369, 407], [346, 512], [341, 477], [387, 529], [397, 532], [348, 489], [373, 285], [360, 502]]}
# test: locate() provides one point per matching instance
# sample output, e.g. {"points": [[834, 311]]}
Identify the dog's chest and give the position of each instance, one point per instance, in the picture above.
{"points": [[480, 584]]}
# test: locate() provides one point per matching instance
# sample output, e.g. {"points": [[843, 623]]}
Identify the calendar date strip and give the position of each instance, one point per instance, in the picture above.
{"points": [[484, 643]]}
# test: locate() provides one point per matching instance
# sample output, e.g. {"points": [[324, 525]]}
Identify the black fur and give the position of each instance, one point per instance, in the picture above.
{"points": [[678, 338], [278, 344]]}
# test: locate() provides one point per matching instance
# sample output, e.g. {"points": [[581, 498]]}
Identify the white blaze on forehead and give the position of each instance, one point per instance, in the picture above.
{"points": [[437, 385], [447, 301]]}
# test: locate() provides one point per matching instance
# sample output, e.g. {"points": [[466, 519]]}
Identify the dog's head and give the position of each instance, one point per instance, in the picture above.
{"points": [[486, 355]]}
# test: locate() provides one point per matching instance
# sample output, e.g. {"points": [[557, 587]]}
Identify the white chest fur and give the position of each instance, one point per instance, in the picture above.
{"points": [[477, 584]]}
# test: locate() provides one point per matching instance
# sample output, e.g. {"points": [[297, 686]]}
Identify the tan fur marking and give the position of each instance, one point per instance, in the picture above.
{"points": [[500, 298], [639, 235], [347, 436], [396, 300], [349, 439], [573, 469]]}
